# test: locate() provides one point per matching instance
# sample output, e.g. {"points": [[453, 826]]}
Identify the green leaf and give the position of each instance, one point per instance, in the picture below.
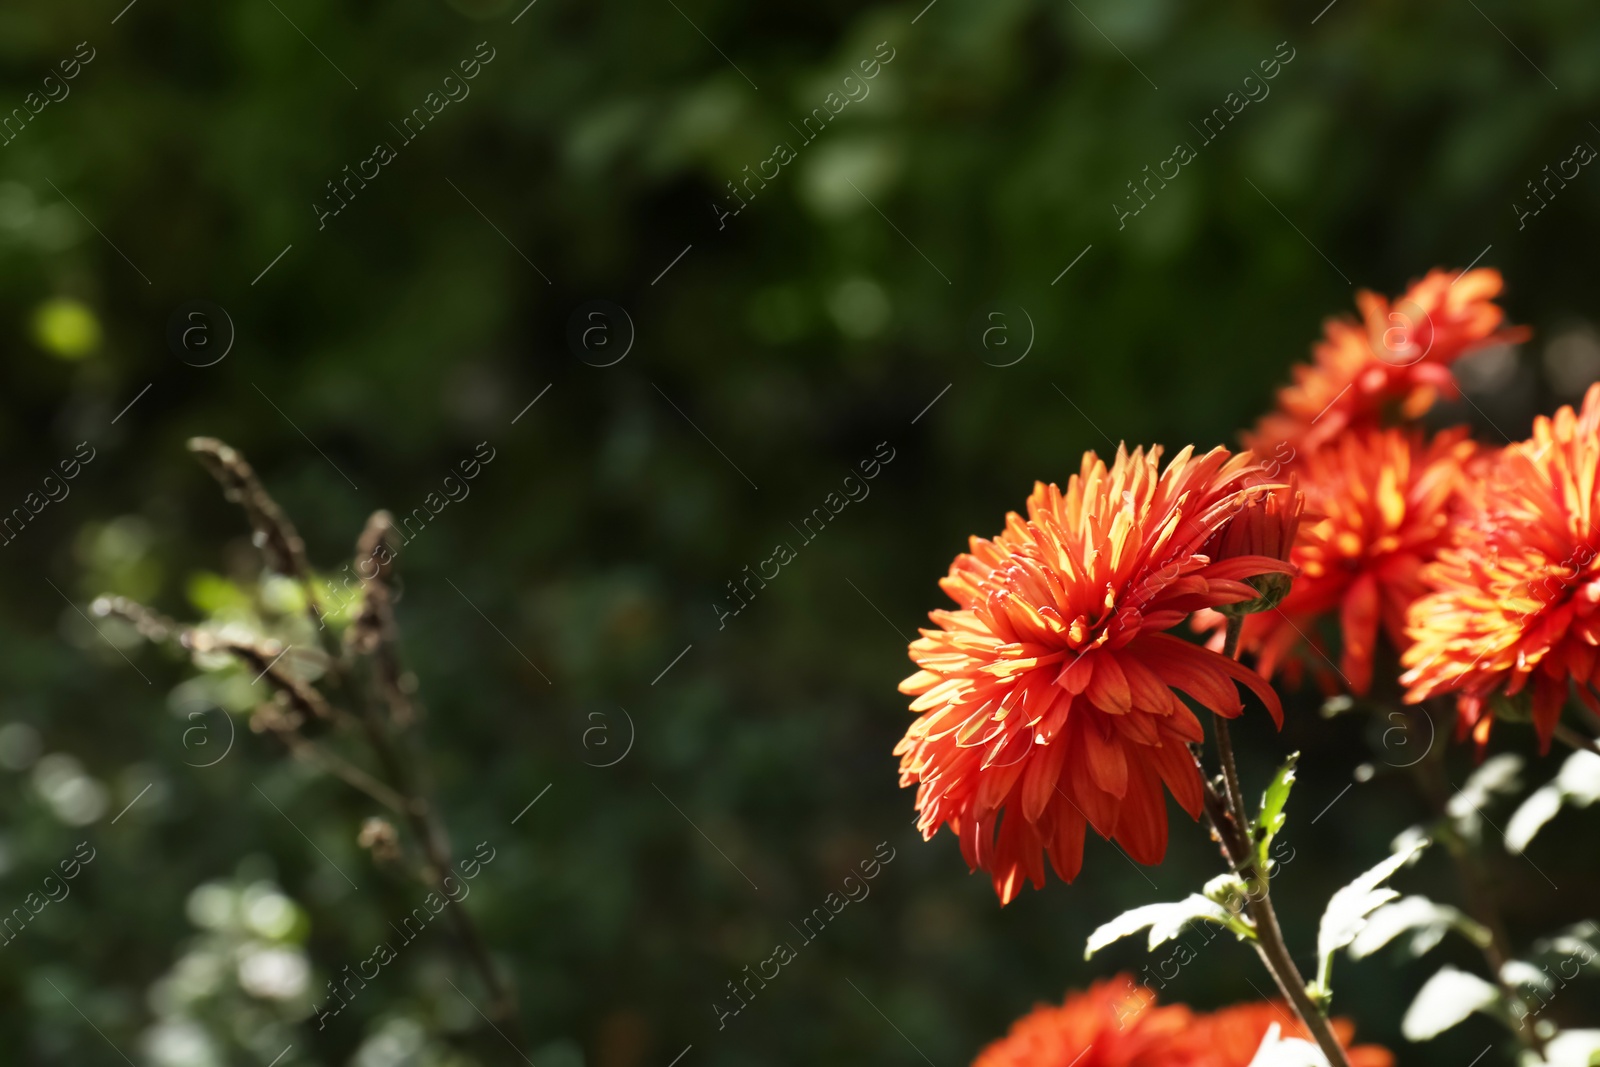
{"points": [[1580, 939], [1427, 922], [1272, 818], [1165, 921], [1577, 784], [1497, 775], [214, 595], [1573, 1048], [1445, 1000], [1348, 909], [1552, 962]]}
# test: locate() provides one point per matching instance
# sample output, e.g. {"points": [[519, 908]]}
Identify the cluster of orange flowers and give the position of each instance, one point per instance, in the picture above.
{"points": [[1476, 564], [1118, 1024], [1048, 698]]}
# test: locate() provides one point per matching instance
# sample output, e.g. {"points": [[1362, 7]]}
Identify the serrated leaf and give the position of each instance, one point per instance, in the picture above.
{"points": [[1445, 1000], [1279, 1051], [1347, 910], [1272, 817], [1428, 923], [1165, 921]]}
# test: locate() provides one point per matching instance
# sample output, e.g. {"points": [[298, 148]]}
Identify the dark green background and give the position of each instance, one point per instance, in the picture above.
{"points": [[797, 338]]}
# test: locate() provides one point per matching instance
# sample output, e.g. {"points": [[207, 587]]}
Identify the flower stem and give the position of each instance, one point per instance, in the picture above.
{"points": [[1573, 739], [1230, 771], [1230, 822], [1269, 943]]}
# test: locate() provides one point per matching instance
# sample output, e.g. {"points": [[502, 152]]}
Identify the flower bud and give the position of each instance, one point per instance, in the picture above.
{"points": [[1263, 526]]}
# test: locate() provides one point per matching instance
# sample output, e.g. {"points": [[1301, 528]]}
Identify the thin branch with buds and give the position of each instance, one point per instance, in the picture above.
{"points": [[387, 710]]}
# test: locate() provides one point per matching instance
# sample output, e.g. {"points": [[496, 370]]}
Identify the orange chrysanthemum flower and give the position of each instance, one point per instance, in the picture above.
{"points": [[1048, 695], [1517, 592], [1397, 357], [1118, 1024], [1231, 1037], [1114, 1023], [1379, 505]]}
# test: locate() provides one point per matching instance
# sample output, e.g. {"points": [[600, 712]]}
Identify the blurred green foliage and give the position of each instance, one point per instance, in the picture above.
{"points": [[783, 347]]}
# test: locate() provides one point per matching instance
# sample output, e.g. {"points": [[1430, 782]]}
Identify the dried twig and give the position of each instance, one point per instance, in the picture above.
{"points": [[387, 710], [271, 530], [375, 635], [374, 632], [263, 659], [152, 625], [269, 718]]}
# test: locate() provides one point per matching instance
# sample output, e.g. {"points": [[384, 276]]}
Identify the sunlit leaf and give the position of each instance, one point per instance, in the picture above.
{"points": [[1348, 908], [1580, 941], [1165, 921], [1573, 1048], [1427, 922], [1522, 973], [1577, 784], [1554, 961], [1540, 807], [283, 595], [215, 595], [1279, 1051], [1445, 1000], [1497, 776]]}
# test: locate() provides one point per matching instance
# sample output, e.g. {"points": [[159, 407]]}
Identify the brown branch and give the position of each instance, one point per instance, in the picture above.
{"points": [[268, 718], [263, 659], [275, 535], [1269, 944], [389, 703], [374, 632], [1573, 739], [375, 636], [271, 530], [151, 624], [1231, 825]]}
